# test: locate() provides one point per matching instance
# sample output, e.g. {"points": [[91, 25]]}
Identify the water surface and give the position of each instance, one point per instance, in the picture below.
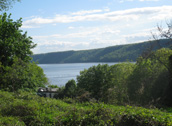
{"points": [[60, 74]]}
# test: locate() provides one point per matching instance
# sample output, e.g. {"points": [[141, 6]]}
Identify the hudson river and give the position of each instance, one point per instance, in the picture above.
{"points": [[60, 74]]}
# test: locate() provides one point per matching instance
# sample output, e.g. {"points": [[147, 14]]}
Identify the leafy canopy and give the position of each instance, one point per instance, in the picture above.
{"points": [[13, 43], [21, 75], [16, 70], [100, 80], [70, 88]]}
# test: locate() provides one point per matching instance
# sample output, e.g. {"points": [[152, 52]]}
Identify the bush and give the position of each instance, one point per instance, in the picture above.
{"points": [[70, 88], [106, 83], [96, 80], [25, 108], [11, 121], [53, 86], [21, 75], [150, 79], [60, 93]]}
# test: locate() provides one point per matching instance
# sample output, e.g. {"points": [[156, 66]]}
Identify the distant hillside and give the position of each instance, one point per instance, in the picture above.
{"points": [[118, 53]]}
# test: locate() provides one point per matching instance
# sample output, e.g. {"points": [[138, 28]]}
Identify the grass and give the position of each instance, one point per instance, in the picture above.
{"points": [[24, 108]]}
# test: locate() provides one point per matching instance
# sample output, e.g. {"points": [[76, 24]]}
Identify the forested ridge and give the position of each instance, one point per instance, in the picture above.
{"points": [[132, 94], [119, 53]]}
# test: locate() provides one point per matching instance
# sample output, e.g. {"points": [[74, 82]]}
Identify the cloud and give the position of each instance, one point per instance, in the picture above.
{"points": [[151, 13], [83, 33], [84, 12], [71, 27], [109, 28], [137, 37], [54, 46], [85, 38], [29, 26]]}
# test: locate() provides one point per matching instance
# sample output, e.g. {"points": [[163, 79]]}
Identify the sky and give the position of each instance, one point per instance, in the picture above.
{"points": [[62, 25]]}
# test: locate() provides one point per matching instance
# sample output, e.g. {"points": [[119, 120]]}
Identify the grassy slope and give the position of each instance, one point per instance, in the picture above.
{"points": [[118, 53], [30, 109]]}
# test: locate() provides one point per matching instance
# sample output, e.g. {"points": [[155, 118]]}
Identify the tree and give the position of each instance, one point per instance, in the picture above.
{"points": [[12, 42], [106, 83], [53, 86], [118, 93], [162, 38], [70, 88], [167, 33], [163, 33], [96, 80], [22, 76], [150, 78], [16, 70], [6, 4]]}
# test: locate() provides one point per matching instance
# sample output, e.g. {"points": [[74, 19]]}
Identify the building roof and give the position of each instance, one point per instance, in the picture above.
{"points": [[48, 90]]}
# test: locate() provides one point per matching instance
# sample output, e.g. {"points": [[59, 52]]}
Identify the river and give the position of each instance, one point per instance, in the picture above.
{"points": [[60, 74]]}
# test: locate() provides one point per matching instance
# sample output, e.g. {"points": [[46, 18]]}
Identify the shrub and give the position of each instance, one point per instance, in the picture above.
{"points": [[150, 79], [11, 121], [31, 110], [21, 75], [106, 83], [70, 88]]}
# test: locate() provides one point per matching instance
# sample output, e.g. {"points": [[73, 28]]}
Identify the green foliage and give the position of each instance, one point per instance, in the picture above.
{"points": [[150, 78], [96, 80], [70, 88], [53, 86], [67, 91], [61, 93], [120, 53], [21, 75], [11, 121], [118, 94], [106, 83], [145, 83], [26, 108], [12, 42], [16, 70]]}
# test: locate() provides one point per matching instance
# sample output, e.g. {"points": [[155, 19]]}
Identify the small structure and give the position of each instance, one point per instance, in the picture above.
{"points": [[47, 92]]}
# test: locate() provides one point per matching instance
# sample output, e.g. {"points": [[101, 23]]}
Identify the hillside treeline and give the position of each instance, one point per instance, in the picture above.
{"points": [[146, 82], [120, 53], [93, 99]]}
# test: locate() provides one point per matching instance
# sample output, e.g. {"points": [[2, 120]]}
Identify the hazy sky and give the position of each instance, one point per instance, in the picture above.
{"points": [[60, 25]]}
